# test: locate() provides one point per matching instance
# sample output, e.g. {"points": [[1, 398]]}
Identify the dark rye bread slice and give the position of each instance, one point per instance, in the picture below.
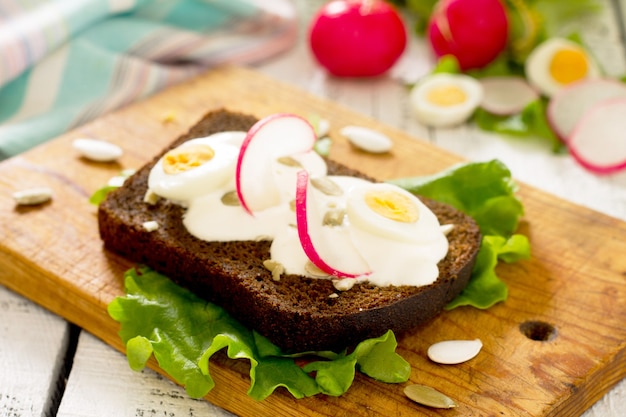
{"points": [[296, 313]]}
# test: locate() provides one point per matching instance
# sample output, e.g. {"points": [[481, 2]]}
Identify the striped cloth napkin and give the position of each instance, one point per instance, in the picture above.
{"points": [[65, 62]]}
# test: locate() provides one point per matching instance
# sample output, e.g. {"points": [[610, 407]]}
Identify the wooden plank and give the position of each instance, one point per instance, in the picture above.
{"points": [[574, 281], [33, 350], [101, 383]]}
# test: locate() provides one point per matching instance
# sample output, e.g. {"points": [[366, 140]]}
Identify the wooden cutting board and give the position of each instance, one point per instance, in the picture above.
{"points": [[553, 348]]}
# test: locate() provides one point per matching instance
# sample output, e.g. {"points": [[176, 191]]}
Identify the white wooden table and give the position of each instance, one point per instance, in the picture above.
{"points": [[49, 367]]}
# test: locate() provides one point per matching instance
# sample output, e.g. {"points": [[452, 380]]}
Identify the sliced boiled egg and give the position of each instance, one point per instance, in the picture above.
{"points": [[559, 62], [195, 168], [329, 249], [443, 100], [384, 217], [389, 211], [385, 235]]}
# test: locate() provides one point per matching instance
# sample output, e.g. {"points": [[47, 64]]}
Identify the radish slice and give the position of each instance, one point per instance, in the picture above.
{"points": [[570, 104], [280, 134], [311, 233], [598, 142], [506, 95]]}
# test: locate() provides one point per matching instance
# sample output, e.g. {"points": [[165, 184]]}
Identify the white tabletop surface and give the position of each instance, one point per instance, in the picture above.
{"points": [[51, 368]]}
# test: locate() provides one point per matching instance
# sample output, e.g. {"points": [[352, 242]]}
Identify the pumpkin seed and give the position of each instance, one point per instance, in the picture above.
{"points": [[150, 197], [327, 186], [231, 199], [452, 352], [33, 196], [334, 217], [322, 128], [344, 284], [150, 226], [314, 271], [289, 161], [367, 139], [168, 117], [428, 396], [117, 181], [276, 268], [322, 146], [97, 150], [446, 228]]}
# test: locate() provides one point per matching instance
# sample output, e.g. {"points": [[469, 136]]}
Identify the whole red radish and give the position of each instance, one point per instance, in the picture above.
{"points": [[357, 38], [474, 31]]}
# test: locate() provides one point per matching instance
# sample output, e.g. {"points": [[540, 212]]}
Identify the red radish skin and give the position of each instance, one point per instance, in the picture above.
{"points": [[598, 142], [570, 104], [474, 31], [279, 134], [302, 219], [357, 38]]}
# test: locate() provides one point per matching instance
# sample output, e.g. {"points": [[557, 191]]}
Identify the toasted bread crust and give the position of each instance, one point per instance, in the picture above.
{"points": [[295, 313]]}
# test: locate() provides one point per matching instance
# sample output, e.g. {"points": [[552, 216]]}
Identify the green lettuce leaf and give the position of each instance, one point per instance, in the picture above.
{"points": [[531, 122], [485, 288], [377, 359], [534, 115], [512, 125], [500, 67], [182, 331], [483, 190], [486, 192], [447, 64], [420, 11], [100, 194], [556, 15]]}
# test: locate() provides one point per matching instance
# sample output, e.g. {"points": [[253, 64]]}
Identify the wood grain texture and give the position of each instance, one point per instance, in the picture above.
{"points": [[32, 357], [575, 282], [105, 387]]}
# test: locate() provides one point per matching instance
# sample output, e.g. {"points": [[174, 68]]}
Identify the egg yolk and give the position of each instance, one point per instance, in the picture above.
{"points": [[392, 205], [446, 96], [187, 157], [568, 65]]}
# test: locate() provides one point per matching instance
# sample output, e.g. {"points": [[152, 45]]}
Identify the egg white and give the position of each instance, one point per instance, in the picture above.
{"points": [[333, 243], [231, 137], [435, 115], [538, 62], [199, 180], [363, 217], [400, 254], [209, 219], [396, 262]]}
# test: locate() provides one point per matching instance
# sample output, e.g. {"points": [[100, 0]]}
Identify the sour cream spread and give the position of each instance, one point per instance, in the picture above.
{"points": [[379, 229]]}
